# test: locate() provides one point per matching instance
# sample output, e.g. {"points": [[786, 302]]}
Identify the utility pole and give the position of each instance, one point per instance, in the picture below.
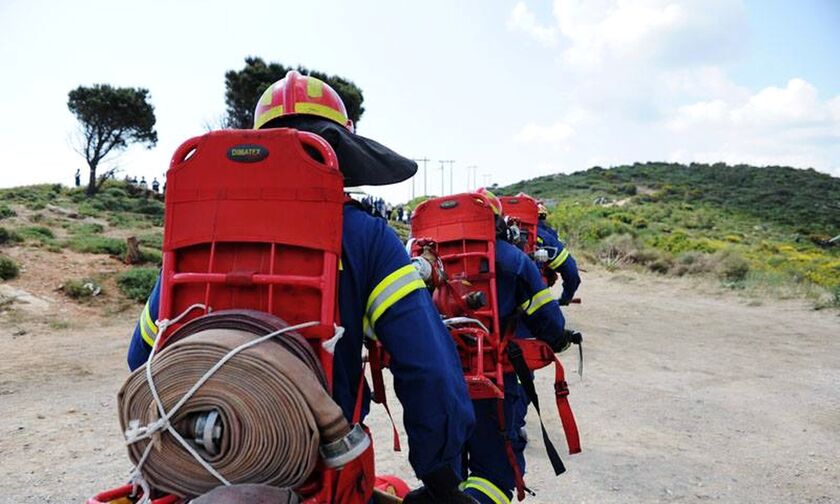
{"points": [[471, 177], [450, 162], [442, 189], [423, 160]]}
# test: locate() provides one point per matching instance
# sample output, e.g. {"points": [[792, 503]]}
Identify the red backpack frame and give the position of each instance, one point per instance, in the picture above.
{"points": [[524, 209], [254, 221]]}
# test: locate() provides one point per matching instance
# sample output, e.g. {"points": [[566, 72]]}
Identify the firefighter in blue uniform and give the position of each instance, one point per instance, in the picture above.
{"points": [[560, 261], [523, 298], [380, 294]]}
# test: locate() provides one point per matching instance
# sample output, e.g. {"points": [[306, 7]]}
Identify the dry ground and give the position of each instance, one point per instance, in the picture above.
{"points": [[690, 394]]}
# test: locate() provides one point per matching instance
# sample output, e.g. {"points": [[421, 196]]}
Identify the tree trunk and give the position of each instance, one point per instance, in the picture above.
{"points": [[92, 188], [132, 250]]}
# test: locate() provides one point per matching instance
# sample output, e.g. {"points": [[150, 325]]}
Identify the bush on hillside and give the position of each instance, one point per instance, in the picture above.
{"points": [[731, 266], [81, 290], [88, 244], [8, 268], [6, 212], [137, 283], [9, 236], [85, 228], [40, 233]]}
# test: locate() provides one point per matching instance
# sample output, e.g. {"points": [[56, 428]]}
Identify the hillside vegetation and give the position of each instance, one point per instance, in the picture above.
{"points": [[756, 228], [59, 220]]}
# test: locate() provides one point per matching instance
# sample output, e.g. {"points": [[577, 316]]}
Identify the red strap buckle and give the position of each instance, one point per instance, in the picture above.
{"points": [[561, 388]]}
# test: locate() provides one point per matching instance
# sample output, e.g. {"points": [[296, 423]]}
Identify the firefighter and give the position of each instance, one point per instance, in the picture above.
{"points": [[522, 299], [560, 261], [380, 296]]}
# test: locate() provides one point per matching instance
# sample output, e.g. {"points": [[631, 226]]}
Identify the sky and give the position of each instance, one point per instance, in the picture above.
{"points": [[516, 89]]}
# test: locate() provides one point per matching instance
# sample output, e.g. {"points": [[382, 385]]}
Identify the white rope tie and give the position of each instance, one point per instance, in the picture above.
{"points": [[137, 432]]}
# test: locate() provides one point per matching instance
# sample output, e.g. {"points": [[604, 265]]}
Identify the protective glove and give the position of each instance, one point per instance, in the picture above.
{"points": [[439, 487], [550, 276], [569, 337]]}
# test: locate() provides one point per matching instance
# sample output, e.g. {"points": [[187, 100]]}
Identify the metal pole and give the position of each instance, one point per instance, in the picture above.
{"points": [[443, 162], [424, 160]]}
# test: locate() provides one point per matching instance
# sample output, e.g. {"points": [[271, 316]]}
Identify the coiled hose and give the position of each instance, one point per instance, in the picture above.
{"points": [[271, 398]]}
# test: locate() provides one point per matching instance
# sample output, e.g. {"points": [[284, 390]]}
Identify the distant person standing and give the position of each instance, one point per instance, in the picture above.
{"points": [[143, 183], [399, 213], [155, 185], [78, 177]]}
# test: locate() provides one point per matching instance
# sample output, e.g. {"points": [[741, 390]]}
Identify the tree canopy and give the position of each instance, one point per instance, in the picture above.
{"points": [[244, 87], [110, 119]]}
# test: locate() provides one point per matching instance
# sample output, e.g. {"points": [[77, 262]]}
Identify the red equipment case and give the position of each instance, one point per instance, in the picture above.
{"points": [[254, 221], [524, 209], [463, 230]]}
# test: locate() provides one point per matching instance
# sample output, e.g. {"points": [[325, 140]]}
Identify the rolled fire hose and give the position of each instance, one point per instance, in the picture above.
{"points": [[274, 412]]}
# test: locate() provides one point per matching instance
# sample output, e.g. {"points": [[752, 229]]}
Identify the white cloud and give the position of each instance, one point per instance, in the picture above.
{"points": [[522, 19], [556, 133], [670, 32], [795, 105]]}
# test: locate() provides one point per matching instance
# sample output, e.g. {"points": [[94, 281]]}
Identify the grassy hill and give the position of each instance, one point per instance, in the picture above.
{"points": [[763, 228], [755, 228], [47, 226]]}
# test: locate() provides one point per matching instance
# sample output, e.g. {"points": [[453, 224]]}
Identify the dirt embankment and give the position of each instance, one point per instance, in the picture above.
{"points": [[689, 395]]}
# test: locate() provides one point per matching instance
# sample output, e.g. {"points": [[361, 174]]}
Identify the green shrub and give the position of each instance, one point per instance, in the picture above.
{"points": [[692, 263], [730, 266], [88, 244], [8, 268], [151, 256], [40, 233], [88, 228], [661, 266], [81, 289], [137, 283], [9, 236], [154, 240], [6, 212]]}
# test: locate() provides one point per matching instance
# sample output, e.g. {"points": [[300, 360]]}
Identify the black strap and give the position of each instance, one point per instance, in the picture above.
{"points": [[517, 360]]}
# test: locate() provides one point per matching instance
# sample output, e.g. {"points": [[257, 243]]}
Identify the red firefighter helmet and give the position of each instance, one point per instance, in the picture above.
{"points": [[297, 94], [495, 203]]}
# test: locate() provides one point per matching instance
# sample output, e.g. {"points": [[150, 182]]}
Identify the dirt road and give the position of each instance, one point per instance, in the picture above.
{"points": [[689, 395]]}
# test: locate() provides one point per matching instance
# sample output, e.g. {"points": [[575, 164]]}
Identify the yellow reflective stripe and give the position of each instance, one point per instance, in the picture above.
{"points": [[320, 110], [560, 259], [537, 301], [539, 240], [391, 289], [268, 115], [147, 316], [486, 487], [148, 329], [266, 97], [314, 87], [148, 339], [367, 330]]}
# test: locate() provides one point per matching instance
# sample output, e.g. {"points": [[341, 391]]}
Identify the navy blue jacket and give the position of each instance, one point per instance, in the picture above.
{"points": [[522, 293], [560, 260], [381, 294]]}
